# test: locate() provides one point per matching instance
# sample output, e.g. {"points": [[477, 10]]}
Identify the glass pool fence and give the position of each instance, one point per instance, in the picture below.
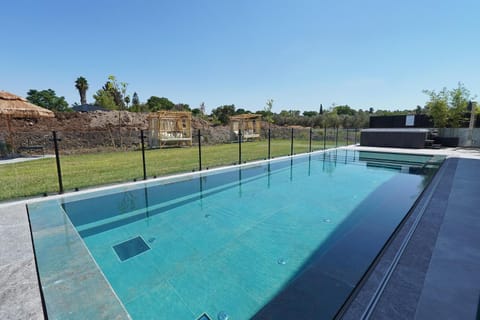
{"points": [[50, 162]]}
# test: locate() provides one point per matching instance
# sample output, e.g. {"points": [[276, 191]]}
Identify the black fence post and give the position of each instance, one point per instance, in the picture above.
{"points": [[310, 141], [336, 137], [239, 146], [291, 143], [199, 150], [57, 158], [269, 136], [142, 138], [346, 137], [355, 136], [324, 137]]}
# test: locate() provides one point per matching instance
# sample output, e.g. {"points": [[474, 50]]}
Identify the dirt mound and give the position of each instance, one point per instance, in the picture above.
{"points": [[93, 131]]}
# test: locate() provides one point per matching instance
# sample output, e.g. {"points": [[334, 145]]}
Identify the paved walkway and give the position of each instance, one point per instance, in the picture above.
{"points": [[436, 275], [19, 290]]}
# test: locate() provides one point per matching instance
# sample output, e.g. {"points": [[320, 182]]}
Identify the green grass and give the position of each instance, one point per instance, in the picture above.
{"points": [[36, 177]]}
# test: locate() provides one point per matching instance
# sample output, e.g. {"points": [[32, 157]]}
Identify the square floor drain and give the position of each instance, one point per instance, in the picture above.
{"points": [[130, 248]]}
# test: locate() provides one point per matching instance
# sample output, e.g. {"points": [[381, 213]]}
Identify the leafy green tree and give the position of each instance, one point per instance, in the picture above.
{"points": [[310, 113], [155, 103], [459, 98], [47, 99], [268, 114], [104, 98], [437, 107], [242, 111], [181, 107], [345, 110], [82, 86], [196, 112], [448, 107], [118, 91], [223, 113], [135, 100], [112, 91]]}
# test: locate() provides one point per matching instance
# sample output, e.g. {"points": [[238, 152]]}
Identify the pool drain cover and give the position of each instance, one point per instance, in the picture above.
{"points": [[204, 317], [130, 248]]}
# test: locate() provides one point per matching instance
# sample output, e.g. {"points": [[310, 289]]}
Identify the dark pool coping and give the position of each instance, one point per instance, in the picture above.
{"points": [[433, 275]]}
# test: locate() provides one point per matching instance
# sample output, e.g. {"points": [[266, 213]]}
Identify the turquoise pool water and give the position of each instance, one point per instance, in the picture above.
{"points": [[283, 239]]}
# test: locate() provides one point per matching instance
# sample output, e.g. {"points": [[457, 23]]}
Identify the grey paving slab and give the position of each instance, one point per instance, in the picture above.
{"points": [[19, 290], [452, 284]]}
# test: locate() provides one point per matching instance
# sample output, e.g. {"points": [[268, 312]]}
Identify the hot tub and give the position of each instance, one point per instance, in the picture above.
{"points": [[396, 138]]}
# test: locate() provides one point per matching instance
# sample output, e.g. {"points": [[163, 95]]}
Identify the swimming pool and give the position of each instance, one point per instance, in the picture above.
{"points": [[289, 238]]}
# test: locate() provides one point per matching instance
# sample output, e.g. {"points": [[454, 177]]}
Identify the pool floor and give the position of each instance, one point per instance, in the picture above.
{"points": [[239, 251]]}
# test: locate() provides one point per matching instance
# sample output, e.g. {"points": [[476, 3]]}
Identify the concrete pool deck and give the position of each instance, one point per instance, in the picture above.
{"points": [[435, 276]]}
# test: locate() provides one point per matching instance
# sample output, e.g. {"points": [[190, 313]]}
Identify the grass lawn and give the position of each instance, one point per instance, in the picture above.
{"points": [[36, 177]]}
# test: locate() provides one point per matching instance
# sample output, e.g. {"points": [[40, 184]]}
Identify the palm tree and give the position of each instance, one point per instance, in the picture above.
{"points": [[82, 86]]}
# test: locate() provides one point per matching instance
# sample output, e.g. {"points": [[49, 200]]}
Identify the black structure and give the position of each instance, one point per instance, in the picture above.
{"points": [[395, 138]]}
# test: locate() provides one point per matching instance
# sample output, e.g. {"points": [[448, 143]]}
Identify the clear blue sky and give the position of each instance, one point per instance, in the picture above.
{"points": [[298, 53]]}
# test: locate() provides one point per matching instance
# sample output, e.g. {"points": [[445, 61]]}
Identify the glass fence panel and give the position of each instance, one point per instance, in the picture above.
{"points": [[280, 142], [111, 155], [256, 148], [95, 158], [27, 165], [301, 140]]}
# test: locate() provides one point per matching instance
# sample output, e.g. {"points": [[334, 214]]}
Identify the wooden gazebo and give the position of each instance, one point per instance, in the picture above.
{"points": [[249, 124], [169, 128]]}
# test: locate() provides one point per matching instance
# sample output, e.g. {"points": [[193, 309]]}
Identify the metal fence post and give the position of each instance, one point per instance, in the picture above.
{"points": [[310, 141], [336, 137], [142, 138], [346, 137], [239, 146], [199, 151], [291, 143], [324, 136], [355, 136], [57, 158], [269, 135]]}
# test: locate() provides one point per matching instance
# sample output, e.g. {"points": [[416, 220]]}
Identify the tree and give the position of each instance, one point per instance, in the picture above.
{"points": [[223, 113], [47, 99], [155, 103], [112, 91], [82, 86], [196, 112], [105, 99], [437, 107], [448, 107], [321, 109], [344, 110], [458, 99], [135, 100], [181, 107], [242, 111], [268, 114], [310, 113]]}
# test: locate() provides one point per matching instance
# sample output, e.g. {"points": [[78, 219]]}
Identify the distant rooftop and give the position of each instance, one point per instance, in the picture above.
{"points": [[88, 108]]}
